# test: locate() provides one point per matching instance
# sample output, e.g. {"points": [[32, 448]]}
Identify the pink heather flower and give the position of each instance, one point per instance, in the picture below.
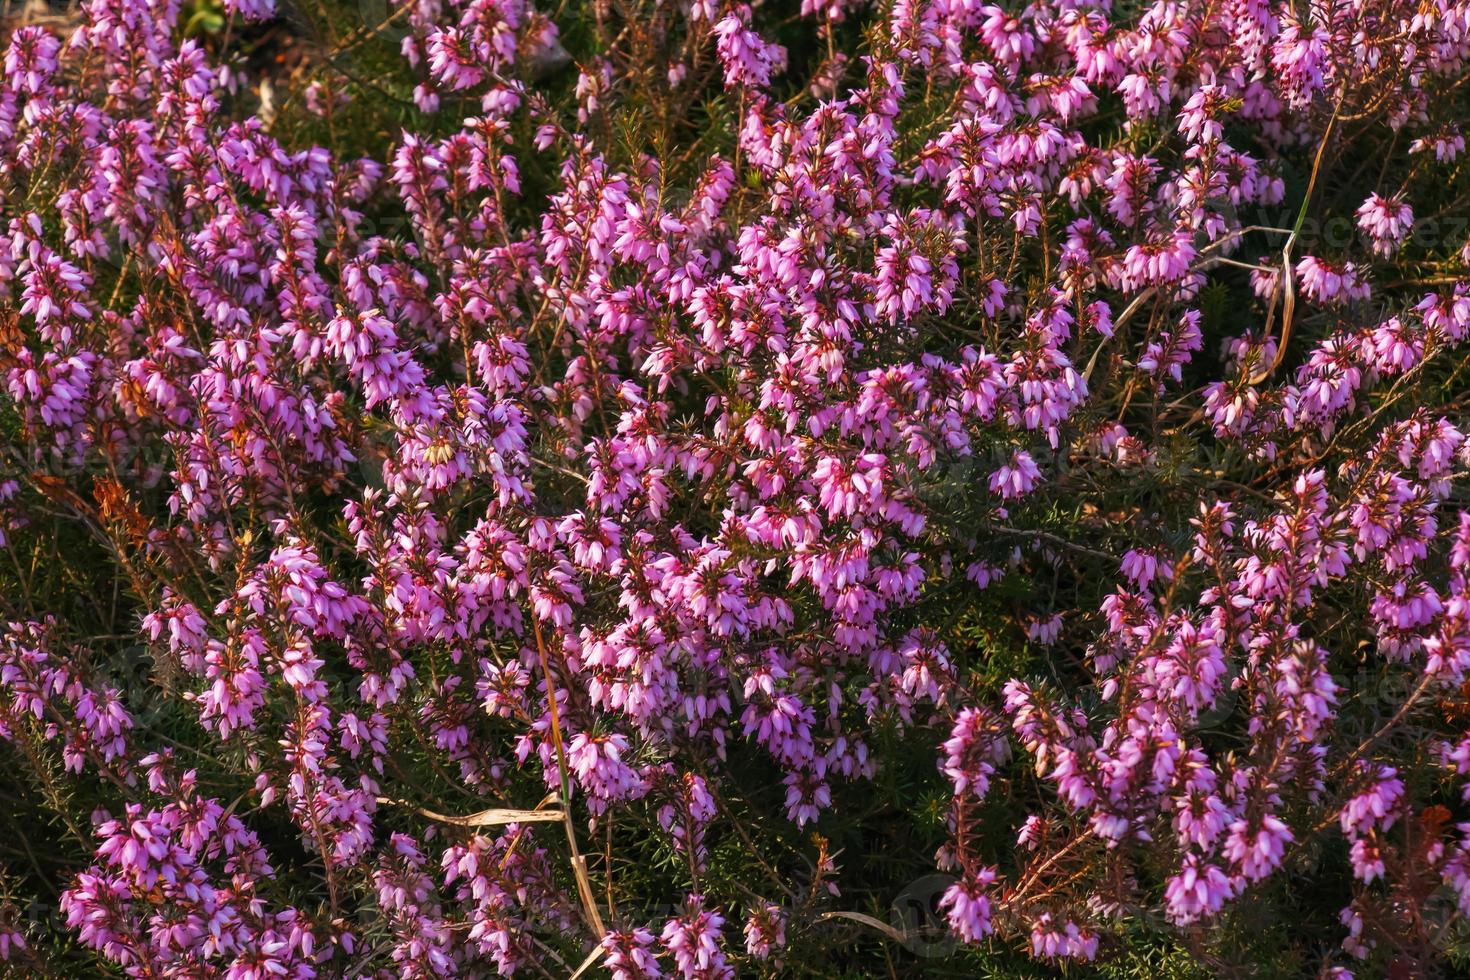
{"points": [[597, 762], [1045, 630], [971, 753], [1174, 348], [1386, 221], [1031, 833], [748, 59], [1328, 283], [1141, 565], [1394, 346], [1255, 848], [1192, 667], [1099, 316], [1299, 55], [426, 99], [455, 60], [918, 270], [1198, 891], [1198, 117], [765, 930], [1353, 943], [252, 9], [31, 58], [629, 955], [1158, 263], [966, 905], [1008, 36], [1456, 869], [1068, 941], [12, 941], [926, 666], [1017, 477], [1377, 807], [693, 939], [807, 795], [1366, 859], [1265, 278], [1446, 145], [321, 100]]}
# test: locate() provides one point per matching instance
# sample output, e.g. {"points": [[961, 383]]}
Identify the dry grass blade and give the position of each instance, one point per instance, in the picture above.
{"points": [[579, 864], [868, 921], [588, 963], [494, 817], [1289, 310]]}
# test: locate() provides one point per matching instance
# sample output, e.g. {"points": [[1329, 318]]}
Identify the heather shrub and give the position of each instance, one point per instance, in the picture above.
{"points": [[682, 489]]}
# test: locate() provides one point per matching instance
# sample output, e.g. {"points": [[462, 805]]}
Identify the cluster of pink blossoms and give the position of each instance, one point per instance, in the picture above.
{"points": [[569, 481]]}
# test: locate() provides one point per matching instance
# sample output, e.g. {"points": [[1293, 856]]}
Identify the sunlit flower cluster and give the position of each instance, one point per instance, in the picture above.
{"points": [[642, 494]]}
